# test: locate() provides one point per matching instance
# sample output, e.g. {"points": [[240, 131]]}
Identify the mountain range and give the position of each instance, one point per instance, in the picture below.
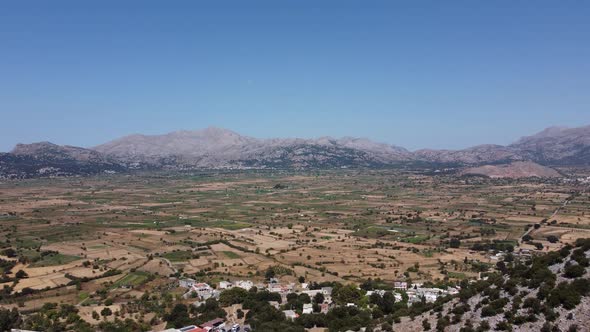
{"points": [[221, 148]]}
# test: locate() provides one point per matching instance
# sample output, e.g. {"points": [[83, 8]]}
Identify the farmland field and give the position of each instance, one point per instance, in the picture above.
{"points": [[122, 236]]}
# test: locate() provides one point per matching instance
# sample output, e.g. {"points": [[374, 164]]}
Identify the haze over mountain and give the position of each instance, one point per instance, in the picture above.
{"points": [[221, 148]]}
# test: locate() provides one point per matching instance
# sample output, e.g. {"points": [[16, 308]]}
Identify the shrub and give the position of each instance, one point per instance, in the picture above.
{"points": [[574, 271]]}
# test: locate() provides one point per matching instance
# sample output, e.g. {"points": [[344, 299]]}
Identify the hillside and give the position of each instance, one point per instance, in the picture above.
{"points": [[557, 145], [544, 293], [519, 169], [46, 159]]}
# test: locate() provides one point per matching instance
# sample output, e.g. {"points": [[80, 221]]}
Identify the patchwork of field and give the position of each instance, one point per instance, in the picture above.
{"points": [[128, 233]]}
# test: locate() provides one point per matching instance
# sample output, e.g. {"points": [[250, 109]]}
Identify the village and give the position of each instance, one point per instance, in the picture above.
{"points": [[411, 293]]}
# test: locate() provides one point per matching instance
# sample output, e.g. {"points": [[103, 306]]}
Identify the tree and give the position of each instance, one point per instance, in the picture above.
{"points": [[211, 310], [21, 274], [426, 325], [106, 312], [9, 252], [179, 316], [386, 327], [484, 326], [346, 294], [388, 303], [122, 325], [377, 313], [574, 271], [455, 243], [232, 296], [319, 298], [9, 319], [270, 273], [552, 238]]}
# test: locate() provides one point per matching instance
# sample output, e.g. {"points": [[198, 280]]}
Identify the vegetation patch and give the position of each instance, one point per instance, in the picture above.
{"points": [[54, 259], [231, 254], [178, 256], [132, 279]]}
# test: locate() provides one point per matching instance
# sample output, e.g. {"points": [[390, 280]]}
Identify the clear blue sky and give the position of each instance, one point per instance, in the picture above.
{"points": [[439, 74]]}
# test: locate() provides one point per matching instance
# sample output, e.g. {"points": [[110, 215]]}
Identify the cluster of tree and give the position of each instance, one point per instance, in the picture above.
{"points": [[371, 284], [179, 316], [9, 252], [9, 319], [495, 245], [345, 294], [338, 319], [209, 311], [277, 270], [119, 325], [238, 295], [454, 243], [6, 266], [296, 301], [53, 317]]}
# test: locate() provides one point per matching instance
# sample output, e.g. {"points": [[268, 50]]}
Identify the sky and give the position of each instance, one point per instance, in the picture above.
{"points": [[418, 74]]}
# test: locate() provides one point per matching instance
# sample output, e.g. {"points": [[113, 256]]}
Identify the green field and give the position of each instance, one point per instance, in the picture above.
{"points": [[178, 256], [457, 275], [132, 279], [225, 224], [231, 254], [54, 259], [415, 239]]}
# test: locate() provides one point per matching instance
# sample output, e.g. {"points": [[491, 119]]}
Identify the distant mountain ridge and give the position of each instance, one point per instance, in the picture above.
{"points": [[221, 148], [216, 147], [561, 145], [47, 159]]}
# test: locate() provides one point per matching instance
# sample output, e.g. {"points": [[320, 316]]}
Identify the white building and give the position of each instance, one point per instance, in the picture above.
{"points": [[245, 284], [290, 314], [225, 285], [400, 285], [202, 290], [186, 283]]}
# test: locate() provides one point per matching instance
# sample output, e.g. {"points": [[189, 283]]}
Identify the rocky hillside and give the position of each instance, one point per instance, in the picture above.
{"points": [[552, 146], [556, 145], [543, 293], [518, 169], [475, 155]]}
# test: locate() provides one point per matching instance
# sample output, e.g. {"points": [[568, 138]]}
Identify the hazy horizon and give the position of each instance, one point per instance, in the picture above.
{"points": [[440, 75]]}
